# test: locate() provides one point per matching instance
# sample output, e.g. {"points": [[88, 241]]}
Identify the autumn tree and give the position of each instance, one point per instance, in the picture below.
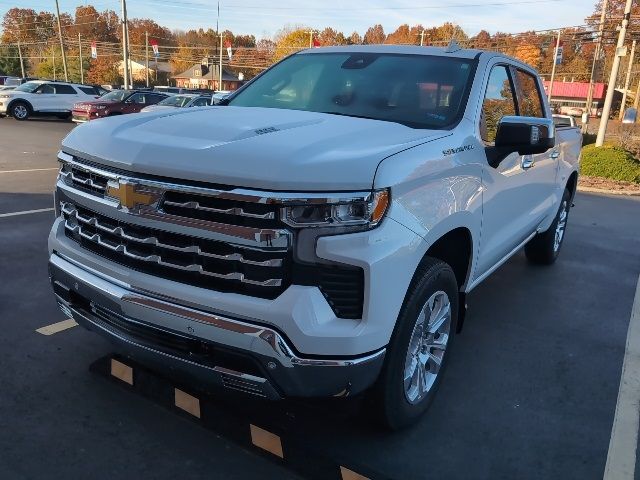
{"points": [[374, 35], [104, 70], [289, 42], [9, 61], [529, 54], [355, 39], [329, 36]]}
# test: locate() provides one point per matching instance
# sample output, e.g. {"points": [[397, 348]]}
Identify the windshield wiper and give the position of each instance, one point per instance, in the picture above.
{"points": [[358, 116]]}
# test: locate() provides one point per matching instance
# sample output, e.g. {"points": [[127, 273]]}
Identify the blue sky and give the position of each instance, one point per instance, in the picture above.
{"points": [[264, 18]]}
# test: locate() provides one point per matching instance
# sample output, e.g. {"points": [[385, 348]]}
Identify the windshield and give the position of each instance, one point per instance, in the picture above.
{"points": [[176, 101], [419, 91], [29, 87], [116, 95]]}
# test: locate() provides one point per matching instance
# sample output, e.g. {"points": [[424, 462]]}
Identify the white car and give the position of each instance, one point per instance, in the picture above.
{"points": [[318, 234], [182, 100], [43, 97]]}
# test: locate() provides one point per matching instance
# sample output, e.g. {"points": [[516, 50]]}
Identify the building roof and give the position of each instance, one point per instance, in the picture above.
{"points": [[579, 90], [213, 74], [162, 66]]}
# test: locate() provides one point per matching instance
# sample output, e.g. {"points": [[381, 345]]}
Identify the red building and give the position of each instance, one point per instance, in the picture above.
{"points": [[571, 97]]}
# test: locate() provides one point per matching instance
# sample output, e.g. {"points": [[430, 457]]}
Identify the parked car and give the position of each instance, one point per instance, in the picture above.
{"points": [[115, 102], [6, 87], [564, 121], [183, 100], [630, 115], [44, 97], [217, 97], [320, 238]]}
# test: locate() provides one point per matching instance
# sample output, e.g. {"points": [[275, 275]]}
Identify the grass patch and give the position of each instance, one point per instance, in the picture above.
{"points": [[610, 162]]}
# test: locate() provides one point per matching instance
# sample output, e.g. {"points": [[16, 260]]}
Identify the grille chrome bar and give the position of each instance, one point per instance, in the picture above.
{"points": [[69, 210], [227, 211], [89, 182], [194, 267]]}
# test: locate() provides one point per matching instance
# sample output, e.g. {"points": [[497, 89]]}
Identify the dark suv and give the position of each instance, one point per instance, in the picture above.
{"points": [[116, 102]]}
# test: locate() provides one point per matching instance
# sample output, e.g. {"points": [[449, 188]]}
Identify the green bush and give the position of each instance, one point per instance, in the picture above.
{"points": [[610, 162]]}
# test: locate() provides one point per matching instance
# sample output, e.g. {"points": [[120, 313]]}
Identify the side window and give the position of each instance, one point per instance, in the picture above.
{"points": [[201, 102], [89, 90], [137, 98], [65, 90], [529, 99], [46, 88], [499, 100], [153, 99]]}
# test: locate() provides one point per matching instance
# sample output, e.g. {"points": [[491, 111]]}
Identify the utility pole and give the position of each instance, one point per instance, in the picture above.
{"points": [[555, 61], [606, 109], [310, 38], [422, 38], [53, 58], [596, 56], [627, 81], [125, 45], [220, 69], [80, 53], [636, 100], [64, 57], [21, 60], [146, 46]]}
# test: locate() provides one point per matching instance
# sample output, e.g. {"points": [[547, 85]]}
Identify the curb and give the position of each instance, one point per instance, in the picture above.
{"points": [[269, 433], [625, 193]]}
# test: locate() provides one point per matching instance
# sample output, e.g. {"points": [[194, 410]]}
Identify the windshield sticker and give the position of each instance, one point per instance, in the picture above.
{"points": [[451, 151]]}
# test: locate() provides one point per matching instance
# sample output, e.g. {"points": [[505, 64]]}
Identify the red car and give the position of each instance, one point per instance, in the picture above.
{"points": [[116, 102]]}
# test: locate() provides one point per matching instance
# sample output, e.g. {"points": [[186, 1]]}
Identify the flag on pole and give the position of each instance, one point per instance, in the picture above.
{"points": [[154, 46], [560, 55], [94, 50], [316, 43], [227, 44]]}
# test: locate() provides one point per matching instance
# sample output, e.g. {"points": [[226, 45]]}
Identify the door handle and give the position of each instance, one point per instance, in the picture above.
{"points": [[555, 155], [527, 162]]}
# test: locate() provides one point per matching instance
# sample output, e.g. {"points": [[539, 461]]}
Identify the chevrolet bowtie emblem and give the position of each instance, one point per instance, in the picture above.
{"points": [[128, 194]]}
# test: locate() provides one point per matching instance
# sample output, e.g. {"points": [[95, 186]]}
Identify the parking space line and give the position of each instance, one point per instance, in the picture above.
{"points": [[621, 458], [57, 327], [30, 170], [26, 212]]}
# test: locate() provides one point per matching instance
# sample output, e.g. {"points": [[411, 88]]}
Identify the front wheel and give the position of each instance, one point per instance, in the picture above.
{"points": [[544, 248], [20, 111], [417, 353]]}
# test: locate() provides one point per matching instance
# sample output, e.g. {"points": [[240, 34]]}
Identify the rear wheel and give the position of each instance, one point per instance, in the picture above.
{"points": [[544, 248], [418, 351], [20, 110]]}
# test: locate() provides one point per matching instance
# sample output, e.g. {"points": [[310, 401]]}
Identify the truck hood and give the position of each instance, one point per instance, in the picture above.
{"points": [[262, 148]]}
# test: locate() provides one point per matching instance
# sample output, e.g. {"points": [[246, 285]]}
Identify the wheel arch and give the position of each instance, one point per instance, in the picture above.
{"points": [[572, 184], [20, 100]]}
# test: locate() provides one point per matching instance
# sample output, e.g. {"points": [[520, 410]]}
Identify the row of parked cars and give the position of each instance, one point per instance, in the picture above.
{"points": [[82, 103]]}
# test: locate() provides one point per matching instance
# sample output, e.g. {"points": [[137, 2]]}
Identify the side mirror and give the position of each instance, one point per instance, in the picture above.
{"points": [[525, 135]]}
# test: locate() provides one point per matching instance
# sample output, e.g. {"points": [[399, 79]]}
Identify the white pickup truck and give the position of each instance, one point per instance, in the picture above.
{"points": [[317, 233]]}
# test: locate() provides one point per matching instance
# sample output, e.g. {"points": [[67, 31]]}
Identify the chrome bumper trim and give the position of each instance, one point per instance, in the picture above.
{"points": [[267, 341]]}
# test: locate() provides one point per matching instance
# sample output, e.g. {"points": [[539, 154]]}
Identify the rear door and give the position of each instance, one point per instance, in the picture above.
{"points": [[518, 192], [64, 98]]}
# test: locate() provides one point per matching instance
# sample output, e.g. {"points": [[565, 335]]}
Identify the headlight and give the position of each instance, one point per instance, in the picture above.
{"points": [[5, 96], [366, 210]]}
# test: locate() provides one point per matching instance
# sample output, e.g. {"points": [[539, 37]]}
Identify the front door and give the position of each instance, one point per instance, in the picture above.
{"points": [[519, 193]]}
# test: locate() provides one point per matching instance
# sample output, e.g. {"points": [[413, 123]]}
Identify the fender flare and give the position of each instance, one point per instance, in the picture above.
{"points": [[13, 102]]}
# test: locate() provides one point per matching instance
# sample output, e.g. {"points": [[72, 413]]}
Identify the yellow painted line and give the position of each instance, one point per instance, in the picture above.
{"points": [[30, 170], [57, 327], [26, 212], [351, 475], [186, 402], [621, 458], [121, 371], [266, 440]]}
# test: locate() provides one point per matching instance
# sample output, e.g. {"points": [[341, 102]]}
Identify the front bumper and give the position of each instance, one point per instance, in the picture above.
{"points": [[208, 348]]}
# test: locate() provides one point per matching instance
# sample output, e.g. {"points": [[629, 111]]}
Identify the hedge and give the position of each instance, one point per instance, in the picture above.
{"points": [[610, 162]]}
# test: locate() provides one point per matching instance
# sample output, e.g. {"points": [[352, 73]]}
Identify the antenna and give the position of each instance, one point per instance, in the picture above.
{"points": [[453, 46]]}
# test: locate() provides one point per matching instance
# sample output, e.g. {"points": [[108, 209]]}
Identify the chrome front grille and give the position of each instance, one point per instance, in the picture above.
{"points": [[202, 262]]}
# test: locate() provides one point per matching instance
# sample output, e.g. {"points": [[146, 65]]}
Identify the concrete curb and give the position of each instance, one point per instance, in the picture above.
{"points": [[625, 193]]}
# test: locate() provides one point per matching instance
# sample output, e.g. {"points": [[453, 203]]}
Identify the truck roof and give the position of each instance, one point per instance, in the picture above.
{"points": [[406, 49]]}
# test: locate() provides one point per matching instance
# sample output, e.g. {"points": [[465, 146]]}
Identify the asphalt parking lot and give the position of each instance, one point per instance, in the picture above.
{"points": [[530, 391]]}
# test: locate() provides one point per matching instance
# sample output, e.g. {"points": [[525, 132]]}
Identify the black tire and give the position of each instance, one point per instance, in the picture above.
{"points": [[543, 249], [20, 110], [389, 396]]}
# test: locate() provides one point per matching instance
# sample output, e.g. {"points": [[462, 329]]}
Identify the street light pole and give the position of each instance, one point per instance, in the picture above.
{"points": [[125, 45], [64, 56], [146, 46], [555, 61], [627, 81], [80, 54], [422, 38], [21, 60], [220, 69], [606, 109], [596, 56]]}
